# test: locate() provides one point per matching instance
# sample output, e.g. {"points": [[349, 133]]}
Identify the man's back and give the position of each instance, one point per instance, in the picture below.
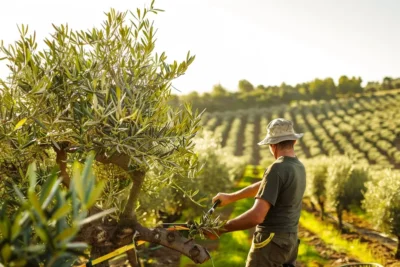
{"points": [[283, 187]]}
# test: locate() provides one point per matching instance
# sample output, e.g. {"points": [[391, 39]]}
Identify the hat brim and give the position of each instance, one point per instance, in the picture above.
{"points": [[274, 140]]}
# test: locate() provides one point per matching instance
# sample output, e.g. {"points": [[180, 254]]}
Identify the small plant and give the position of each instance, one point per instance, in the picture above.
{"points": [[39, 227]]}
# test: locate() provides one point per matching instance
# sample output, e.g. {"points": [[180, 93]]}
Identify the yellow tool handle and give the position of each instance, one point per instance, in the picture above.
{"points": [[116, 252]]}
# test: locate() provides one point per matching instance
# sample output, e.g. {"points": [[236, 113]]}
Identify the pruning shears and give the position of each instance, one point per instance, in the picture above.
{"points": [[186, 226], [215, 205]]}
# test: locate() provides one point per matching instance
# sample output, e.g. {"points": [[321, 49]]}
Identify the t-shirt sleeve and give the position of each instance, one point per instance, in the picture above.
{"points": [[270, 185]]}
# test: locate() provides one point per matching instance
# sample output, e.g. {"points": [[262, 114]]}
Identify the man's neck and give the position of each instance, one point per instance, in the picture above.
{"points": [[285, 153]]}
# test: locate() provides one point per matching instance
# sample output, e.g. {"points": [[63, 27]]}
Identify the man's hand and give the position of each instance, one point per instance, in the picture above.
{"points": [[210, 235], [224, 198]]}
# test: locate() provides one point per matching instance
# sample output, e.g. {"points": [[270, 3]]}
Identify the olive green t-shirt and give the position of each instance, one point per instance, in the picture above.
{"points": [[283, 187]]}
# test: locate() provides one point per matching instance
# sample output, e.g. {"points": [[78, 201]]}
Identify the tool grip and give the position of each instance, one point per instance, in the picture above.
{"points": [[216, 203]]}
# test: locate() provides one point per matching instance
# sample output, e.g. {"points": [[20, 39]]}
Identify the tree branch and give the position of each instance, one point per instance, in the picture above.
{"points": [[174, 240], [121, 234], [61, 160], [138, 179], [121, 160]]}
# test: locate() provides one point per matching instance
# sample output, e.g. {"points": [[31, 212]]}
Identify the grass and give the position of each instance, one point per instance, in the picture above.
{"points": [[232, 251], [308, 255], [331, 236], [254, 171]]}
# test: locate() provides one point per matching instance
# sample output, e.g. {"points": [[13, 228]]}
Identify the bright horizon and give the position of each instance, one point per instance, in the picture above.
{"points": [[263, 41]]}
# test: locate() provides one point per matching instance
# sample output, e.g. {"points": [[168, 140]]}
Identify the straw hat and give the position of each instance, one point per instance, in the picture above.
{"points": [[279, 130]]}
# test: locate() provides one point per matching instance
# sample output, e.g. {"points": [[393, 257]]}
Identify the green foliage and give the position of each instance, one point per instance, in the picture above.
{"points": [[38, 227], [346, 183], [317, 177], [382, 200], [323, 88], [186, 199], [245, 86], [102, 89], [248, 96], [349, 86]]}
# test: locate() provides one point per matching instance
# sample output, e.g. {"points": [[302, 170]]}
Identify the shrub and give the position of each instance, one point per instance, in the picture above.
{"points": [[319, 177], [38, 226], [346, 184], [382, 202]]}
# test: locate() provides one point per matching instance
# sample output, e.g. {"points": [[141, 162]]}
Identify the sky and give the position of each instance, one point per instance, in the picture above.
{"points": [[266, 42]]}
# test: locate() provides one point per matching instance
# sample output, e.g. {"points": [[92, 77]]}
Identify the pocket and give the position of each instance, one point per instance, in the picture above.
{"points": [[283, 243], [281, 249], [262, 239]]}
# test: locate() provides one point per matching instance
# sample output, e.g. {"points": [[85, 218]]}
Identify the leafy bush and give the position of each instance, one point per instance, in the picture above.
{"points": [[382, 202], [38, 228], [317, 175], [346, 183]]}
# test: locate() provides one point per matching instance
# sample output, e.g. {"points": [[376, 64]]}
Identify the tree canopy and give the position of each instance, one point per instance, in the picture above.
{"points": [[103, 91]]}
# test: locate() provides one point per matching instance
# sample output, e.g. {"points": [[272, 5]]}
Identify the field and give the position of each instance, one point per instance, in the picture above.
{"points": [[365, 129]]}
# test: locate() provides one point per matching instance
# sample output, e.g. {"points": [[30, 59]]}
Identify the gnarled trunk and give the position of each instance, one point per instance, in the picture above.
{"points": [[104, 237], [339, 212]]}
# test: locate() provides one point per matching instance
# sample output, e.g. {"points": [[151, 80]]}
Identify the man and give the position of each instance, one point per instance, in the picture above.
{"points": [[277, 206]]}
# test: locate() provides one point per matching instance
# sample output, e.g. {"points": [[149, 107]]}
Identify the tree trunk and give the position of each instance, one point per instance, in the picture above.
{"points": [[321, 206], [105, 238], [397, 256], [312, 206], [61, 160], [137, 179], [339, 212]]}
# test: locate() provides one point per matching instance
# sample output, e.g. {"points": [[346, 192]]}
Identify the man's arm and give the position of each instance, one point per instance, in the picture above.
{"points": [[250, 218], [247, 220], [249, 191]]}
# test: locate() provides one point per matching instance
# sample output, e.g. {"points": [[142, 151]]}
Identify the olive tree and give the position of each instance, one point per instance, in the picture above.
{"points": [[317, 173], [346, 183], [382, 202], [103, 90]]}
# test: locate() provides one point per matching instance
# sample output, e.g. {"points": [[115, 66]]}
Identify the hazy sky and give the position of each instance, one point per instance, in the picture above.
{"points": [[264, 41]]}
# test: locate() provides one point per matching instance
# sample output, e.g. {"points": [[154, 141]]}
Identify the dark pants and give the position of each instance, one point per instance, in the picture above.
{"points": [[273, 249]]}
